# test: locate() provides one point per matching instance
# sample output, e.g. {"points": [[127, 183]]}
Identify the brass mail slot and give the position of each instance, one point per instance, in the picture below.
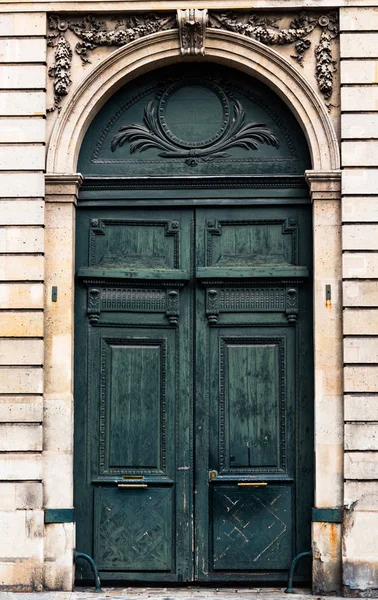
{"points": [[252, 484]]}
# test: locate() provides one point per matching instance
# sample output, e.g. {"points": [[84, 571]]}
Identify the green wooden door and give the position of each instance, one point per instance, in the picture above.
{"points": [[193, 394]]}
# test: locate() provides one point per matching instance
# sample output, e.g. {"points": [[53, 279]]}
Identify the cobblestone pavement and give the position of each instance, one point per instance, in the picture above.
{"points": [[167, 594]]}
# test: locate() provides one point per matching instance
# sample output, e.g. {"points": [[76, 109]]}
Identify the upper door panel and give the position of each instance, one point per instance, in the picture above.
{"points": [[194, 121]]}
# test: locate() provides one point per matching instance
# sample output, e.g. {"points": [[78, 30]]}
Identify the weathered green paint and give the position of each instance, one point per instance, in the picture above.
{"points": [[193, 349], [59, 515], [327, 515]]}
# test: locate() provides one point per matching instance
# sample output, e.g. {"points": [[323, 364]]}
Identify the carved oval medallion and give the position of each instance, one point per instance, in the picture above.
{"points": [[209, 113]]}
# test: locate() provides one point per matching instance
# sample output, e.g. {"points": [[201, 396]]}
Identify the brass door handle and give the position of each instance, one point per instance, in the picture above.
{"points": [[133, 485], [252, 483]]}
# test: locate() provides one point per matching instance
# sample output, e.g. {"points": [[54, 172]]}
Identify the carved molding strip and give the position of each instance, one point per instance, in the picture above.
{"points": [[93, 33], [192, 29]]}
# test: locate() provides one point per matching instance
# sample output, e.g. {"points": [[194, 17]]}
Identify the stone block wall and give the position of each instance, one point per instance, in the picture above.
{"points": [[22, 163], [359, 132]]}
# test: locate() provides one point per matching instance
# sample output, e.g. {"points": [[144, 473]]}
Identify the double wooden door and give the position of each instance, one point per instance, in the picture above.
{"points": [[193, 394]]}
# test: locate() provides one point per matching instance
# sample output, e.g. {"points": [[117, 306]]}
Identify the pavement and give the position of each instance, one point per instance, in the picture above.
{"points": [[188, 593]]}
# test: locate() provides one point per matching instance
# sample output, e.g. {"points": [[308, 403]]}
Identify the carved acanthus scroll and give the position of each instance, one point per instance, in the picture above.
{"points": [[192, 29]]}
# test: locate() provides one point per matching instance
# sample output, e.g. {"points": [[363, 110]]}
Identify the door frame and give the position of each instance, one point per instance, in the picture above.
{"points": [[62, 188]]}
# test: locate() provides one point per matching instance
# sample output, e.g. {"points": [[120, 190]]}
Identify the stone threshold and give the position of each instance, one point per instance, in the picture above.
{"points": [[189, 593]]}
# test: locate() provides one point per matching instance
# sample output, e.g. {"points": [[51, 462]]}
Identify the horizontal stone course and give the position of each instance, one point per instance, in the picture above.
{"points": [[360, 465], [21, 496], [359, 209], [361, 322], [21, 324], [360, 350], [22, 129], [22, 103], [19, 409], [21, 239], [21, 295], [360, 237], [359, 181], [21, 267], [361, 378], [358, 18], [19, 50], [22, 212], [361, 436], [25, 185], [359, 98], [22, 77], [360, 293], [20, 466], [358, 45], [22, 158], [21, 380], [360, 265], [361, 408], [19, 24], [359, 71], [21, 352], [21, 533], [359, 153], [20, 437]]}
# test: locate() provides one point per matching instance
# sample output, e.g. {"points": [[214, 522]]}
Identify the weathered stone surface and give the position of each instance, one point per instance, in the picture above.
{"points": [[361, 408], [360, 265], [361, 379], [360, 181], [21, 267], [22, 212], [358, 98], [21, 324], [27, 103], [21, 352], [18, 24], [20, 437], [326, 548], [22, 77], [20, 467], [360, 293], [21, 239], [21, 380], [359, 18], [360, 546], [59, 546], [359, 154], [21, 409], [26, 158], [20, 50], [355, 490], [21, 495], [358, 209], [359, 45], [25, 185], [28, 129], [361, 350], [361, 436], [359, 71], [361, 465], [361, 322]]}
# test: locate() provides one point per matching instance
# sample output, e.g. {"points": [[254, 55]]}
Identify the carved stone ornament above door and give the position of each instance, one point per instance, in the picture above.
{"points": [[87, 33]]}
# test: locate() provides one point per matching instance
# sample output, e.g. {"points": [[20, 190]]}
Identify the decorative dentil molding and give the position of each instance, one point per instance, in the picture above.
{"points": [[192, 29], [94, 33]]}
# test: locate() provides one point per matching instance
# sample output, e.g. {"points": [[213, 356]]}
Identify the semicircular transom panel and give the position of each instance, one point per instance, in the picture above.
{"points": [[190, 120]]}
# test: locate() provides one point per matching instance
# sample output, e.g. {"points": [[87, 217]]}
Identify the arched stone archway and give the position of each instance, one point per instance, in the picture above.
{"points": [[265, 64]]}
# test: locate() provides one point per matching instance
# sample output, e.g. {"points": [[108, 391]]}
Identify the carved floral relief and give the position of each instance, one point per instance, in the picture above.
{"points": [[307, 31]]}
